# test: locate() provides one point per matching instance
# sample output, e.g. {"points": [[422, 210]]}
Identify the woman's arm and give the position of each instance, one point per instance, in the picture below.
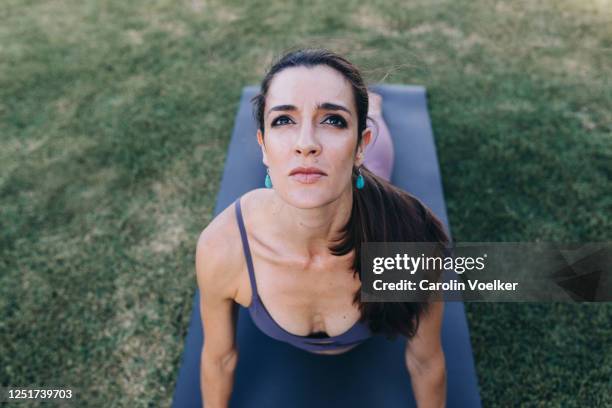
{"points": [[425, 359], [218, 310]]}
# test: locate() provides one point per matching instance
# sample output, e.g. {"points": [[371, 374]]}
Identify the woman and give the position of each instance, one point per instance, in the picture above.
{"points": [[291, 252]]}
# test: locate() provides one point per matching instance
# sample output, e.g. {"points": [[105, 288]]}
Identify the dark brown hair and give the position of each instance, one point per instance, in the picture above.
{"points": [[381, 212]]}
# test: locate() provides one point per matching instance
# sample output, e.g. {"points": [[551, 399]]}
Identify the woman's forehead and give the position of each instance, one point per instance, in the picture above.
{"points": [[310, 86]]}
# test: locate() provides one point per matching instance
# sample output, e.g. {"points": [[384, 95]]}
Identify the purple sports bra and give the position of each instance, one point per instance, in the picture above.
{"points": [[262, 319]]}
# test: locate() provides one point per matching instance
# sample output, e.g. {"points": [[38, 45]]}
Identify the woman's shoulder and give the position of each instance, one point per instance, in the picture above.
{"points": [[219, 253]]}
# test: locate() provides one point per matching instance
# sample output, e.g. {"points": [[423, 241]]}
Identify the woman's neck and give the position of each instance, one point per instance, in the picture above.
{"points": [[310, 232]]}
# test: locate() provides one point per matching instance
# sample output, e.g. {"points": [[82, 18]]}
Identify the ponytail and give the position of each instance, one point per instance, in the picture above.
{"points": [[382, 212]]}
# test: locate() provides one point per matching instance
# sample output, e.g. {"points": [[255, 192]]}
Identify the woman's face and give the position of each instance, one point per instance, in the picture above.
{"points": [[310, 128]]}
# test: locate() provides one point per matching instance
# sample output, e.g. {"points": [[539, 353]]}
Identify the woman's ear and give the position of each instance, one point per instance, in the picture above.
{"points": [[366, 137], [260, 140]]}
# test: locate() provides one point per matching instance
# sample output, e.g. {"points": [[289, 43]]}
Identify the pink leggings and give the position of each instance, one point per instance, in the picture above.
{"points": [[379, 153]]}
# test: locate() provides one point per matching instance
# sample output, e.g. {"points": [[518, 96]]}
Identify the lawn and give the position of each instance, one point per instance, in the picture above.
{"points": [[115, 118]]}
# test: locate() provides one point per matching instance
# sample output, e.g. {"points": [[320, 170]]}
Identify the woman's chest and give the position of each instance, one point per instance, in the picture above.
{"points": [[305, 297]]}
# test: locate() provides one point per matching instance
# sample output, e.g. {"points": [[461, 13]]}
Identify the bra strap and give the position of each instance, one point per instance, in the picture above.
{"points": [[245, 248]]}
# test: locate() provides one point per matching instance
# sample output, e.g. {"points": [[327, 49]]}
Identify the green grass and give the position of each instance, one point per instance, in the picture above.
{"points": [[114, 122]]}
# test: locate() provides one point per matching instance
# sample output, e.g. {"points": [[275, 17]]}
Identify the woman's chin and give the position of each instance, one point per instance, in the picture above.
{"points": [[306, 198]]}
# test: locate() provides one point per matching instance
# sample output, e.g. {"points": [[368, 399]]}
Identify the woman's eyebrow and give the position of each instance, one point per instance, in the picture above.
{"points": [[333, 107], [282, 108]]}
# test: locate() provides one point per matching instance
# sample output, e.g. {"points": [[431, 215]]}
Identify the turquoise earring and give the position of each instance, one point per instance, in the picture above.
{"points": [[360, 182], [268, 181]]}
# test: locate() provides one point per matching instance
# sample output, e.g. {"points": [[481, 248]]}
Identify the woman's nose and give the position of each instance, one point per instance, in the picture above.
{"points": [[307, 142]]}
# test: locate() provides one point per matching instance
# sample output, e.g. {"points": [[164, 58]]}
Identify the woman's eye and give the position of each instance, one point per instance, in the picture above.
{"points": [[281, 120], [336, 120]]}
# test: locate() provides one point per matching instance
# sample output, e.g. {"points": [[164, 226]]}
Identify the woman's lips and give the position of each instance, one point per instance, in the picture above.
{"points": [[307, 178]]}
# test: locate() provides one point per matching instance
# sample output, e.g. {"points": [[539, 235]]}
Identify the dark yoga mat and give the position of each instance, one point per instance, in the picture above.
{"points": [[273, 374]]}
